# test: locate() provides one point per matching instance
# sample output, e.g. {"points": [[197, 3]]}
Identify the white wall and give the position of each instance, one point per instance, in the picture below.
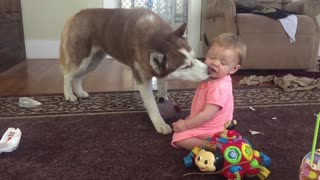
{"points": [[43, 21]]}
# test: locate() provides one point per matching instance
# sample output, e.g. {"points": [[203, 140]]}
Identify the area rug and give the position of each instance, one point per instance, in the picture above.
{"points": [[58, 144], [130, 102]]}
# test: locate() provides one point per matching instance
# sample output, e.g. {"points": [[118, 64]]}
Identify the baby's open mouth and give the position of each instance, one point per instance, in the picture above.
{"points": [[210, 71]]}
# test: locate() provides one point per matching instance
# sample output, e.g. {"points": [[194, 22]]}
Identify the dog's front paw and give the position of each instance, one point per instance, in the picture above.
{"points": [[164, 129], [82, 94], [70, 97]]}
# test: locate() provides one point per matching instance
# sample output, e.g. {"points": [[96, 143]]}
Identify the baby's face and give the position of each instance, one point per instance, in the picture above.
{"points": [[222, 61]]}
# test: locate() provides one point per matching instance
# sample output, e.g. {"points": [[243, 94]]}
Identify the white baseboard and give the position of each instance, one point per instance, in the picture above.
{"points": [[42, 49]]}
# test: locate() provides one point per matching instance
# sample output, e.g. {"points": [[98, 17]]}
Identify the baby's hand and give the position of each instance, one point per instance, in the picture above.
{"points": [[179, 126]]}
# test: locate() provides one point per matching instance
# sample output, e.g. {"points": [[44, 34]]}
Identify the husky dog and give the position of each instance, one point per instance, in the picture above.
{"points": [[137, 38]]}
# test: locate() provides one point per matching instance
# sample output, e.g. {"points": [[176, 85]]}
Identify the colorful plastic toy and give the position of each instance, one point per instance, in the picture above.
{"points": [[310, 165], [230, 154]]}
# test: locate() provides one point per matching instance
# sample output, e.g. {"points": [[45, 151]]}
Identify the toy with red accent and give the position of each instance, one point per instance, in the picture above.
{"points": [[230, 154], [310, 165]]}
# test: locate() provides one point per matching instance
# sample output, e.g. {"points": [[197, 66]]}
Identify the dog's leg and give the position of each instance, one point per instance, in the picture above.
{"points": [[151, 106], [162, 89], [77, 86], [68, 73], [67, 88], [89, 64]]}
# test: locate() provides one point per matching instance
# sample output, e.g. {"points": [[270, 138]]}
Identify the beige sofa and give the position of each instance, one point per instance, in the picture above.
{"points": [[268, 44]]}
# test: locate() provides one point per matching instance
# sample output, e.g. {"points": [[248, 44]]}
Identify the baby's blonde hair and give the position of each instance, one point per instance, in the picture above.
{"points": [[231, 41]]}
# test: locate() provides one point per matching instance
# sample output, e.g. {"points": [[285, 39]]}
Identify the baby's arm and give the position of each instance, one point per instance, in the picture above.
{"points": [[207, 114]]}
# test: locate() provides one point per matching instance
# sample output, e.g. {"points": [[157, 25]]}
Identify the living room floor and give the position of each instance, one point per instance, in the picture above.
{"points": [[43, 76]]}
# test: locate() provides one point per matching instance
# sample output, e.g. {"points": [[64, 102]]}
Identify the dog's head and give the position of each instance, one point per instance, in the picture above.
{"points": [[172, 57]]}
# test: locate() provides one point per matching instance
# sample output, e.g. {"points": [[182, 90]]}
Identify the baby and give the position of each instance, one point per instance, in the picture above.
{"points": [[213, 103]]}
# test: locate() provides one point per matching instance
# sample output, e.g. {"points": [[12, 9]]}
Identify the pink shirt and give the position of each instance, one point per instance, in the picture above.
{"points": [[218, 92]]}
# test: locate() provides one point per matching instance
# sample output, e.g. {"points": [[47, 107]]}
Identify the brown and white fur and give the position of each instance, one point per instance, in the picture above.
{"points": [[137, 38]]}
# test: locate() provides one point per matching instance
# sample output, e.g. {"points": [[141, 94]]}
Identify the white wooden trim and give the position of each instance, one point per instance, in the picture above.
{"points": [[194, 25], [42, 49], [319, 50], [110, 3]]}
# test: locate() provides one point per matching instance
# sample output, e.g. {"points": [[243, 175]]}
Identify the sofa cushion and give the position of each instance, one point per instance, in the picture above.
{"points": [[270, 3], [248, 23]]}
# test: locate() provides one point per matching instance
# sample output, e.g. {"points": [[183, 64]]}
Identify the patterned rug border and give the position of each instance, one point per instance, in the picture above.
{"points": [[116, 102], [124, 112], [128, 91]]}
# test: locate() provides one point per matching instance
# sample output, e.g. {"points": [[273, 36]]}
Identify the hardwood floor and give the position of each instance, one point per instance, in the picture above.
{"points": [[43, 76]]}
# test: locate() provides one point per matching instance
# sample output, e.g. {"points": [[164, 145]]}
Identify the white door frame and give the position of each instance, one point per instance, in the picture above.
{"points": [[194, 22], [194, 26], [110, 3]]}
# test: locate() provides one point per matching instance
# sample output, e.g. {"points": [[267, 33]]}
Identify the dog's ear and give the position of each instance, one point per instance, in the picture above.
{"points": [[158, 62], [180, 31]]}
